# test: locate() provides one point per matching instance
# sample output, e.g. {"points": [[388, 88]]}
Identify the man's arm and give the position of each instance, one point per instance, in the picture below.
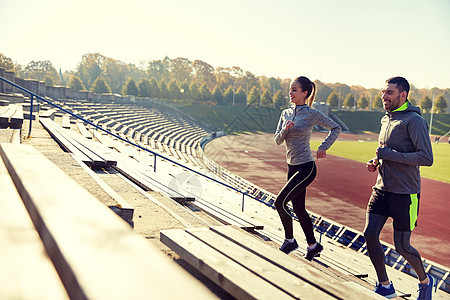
{"points": [[423, 153]]}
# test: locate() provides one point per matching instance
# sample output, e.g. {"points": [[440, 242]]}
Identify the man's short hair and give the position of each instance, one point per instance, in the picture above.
{"points": [[401, 83]]}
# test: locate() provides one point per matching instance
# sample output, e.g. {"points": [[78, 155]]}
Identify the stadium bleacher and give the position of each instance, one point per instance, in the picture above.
{"points": [[162, 171]]}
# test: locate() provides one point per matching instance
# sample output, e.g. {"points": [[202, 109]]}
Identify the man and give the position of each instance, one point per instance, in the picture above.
{"points": [[404, 145]]}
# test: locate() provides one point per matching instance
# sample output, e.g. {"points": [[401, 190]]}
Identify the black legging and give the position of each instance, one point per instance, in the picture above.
{"points": [[374, 224], [299, 177]]}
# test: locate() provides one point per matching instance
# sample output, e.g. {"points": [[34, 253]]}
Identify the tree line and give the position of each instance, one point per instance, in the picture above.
{"points": [[186, 81]]}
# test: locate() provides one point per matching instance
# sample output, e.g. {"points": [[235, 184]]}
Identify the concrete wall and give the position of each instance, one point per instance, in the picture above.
{"points": [[60, 92]]}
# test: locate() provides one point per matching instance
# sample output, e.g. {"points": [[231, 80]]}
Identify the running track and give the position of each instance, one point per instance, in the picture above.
{"points": [[340, 191]]}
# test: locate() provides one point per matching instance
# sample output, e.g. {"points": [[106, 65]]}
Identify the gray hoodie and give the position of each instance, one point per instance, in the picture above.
{"points": [[297, 138], [407, 145]]}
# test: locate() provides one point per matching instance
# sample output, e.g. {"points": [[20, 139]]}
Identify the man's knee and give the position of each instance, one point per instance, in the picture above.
{"points": [[370, 235]]}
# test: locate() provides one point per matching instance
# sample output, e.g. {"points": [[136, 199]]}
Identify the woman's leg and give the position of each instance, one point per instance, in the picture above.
{"points": [[294, 189], [298, 204]]}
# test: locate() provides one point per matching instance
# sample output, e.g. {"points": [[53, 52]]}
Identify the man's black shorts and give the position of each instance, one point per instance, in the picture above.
{"points": [[402, 208]]}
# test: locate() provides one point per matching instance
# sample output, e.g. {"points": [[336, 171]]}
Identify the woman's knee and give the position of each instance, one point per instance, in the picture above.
{"points": [[278, 203]]}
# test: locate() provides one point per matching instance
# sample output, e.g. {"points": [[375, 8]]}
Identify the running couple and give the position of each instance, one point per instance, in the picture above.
{"points": [[404, 146]]}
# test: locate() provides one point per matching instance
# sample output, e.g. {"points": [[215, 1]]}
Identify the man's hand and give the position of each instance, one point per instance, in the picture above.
{"points": [[381, 146], [372, 165], [320, 153], [289, 125]]}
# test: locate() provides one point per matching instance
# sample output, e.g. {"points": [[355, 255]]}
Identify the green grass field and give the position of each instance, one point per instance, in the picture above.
{"points": [[364, 151], [240, 119]]}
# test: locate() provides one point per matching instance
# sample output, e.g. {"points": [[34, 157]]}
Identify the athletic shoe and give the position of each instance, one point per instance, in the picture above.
{"points": [[385, 292], [425, 290], [288, 247], [310, 254]]}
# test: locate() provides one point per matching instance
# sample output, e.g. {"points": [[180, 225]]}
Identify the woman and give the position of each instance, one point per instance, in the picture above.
{"points": [[295, 128]]}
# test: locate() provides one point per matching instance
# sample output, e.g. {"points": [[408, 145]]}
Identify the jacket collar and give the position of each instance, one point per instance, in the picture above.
{"points": [[403, 107]]}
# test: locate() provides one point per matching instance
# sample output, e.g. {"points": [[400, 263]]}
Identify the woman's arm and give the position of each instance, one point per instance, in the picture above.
{"points": [[334, 128], [280, 133]]}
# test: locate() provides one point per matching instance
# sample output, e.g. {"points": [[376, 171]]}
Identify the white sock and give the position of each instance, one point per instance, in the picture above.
{"points": [[312, 247], [386, 286], [290, 240]]}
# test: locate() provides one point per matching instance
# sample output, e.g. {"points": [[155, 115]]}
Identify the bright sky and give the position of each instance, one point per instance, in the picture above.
{"points": [[356, 42]]}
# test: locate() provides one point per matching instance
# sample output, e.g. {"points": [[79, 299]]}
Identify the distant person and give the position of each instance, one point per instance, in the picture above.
{"points": [[404, 146], [295, 127]]}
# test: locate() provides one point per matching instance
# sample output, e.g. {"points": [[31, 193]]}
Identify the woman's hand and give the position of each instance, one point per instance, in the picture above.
{"points": [[321, 153], [289, 125]]}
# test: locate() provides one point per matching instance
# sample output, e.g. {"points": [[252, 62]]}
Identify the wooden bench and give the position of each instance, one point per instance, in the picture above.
{"points": [[11, 116], [49, 113], [95, 253], [65, 123], [248, 268], [26, 271], [78, 145]]}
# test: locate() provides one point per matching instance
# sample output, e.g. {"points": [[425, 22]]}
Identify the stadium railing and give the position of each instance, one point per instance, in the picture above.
{"points": [[156, 155]]}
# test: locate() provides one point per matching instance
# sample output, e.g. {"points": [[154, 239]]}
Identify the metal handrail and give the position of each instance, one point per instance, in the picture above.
{"points": [[125, 140]]}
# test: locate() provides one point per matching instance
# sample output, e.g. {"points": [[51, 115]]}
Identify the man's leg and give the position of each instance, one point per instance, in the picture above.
{"points": [[403, 247], [374, 225]]}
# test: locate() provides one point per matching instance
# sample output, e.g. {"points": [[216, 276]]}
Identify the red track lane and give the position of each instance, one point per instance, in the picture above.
{"points": [[340, 192]]}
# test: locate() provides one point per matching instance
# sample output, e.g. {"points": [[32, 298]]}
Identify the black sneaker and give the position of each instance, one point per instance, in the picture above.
{"points": [[314, 252], [288, 247]]}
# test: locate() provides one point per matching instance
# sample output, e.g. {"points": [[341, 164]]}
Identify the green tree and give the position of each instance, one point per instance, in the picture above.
{"points": [[145, 88], [90, 68], [174, 90], [279, 99], [195, 91], [333, 100], [249, 81], [185, 91], [272, 84], [181, 69], [157, 69], [41, 69], [349, 101], [440, 104], [6, 62], [130, 88], [204, 72], [426, 104], [363, 102], [117, 73], [323, 91], [154, 89], [76, 84], [224, 78], [267, 99], [377, 103], [217, 96], [48, 81], [240, 97], [205, 93], [254, 97], [228, 95], [163, 90], [100, 86]]}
